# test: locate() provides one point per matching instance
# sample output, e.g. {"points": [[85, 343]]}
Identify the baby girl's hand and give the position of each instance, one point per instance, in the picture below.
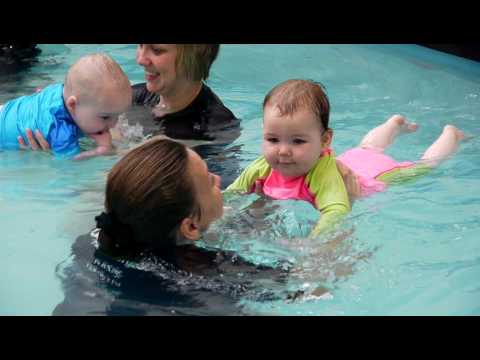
{"points": [[258, 189]]}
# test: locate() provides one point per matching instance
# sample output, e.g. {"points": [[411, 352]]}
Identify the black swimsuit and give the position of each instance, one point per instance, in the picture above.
{"points": [[206, 118], [201, 282]]}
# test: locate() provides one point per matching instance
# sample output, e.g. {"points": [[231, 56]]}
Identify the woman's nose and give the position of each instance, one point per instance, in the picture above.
{"points": [[142, 58]]}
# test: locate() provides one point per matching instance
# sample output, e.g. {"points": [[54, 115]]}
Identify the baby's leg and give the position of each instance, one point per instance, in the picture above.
{"points": [[383, 135], [446, 144]]}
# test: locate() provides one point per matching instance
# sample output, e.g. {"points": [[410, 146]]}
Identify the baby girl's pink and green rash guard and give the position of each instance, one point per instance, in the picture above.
{"points": [[322, 186]]}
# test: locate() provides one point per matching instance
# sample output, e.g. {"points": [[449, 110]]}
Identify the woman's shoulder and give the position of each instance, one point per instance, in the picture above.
{"points": [[141, 96], [213, 106]]}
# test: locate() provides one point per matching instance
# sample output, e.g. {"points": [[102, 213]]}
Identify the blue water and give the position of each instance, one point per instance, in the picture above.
{"points": [[409, 251]]}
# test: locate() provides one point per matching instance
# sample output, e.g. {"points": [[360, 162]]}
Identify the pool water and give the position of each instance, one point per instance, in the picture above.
{"points": [[411, 250]]}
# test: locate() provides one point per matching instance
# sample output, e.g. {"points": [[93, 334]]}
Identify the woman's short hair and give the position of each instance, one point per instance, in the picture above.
{"points": [[195, 60]]}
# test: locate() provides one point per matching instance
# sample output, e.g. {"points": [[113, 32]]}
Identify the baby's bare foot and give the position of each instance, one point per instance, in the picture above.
{"points": [[459, 134], [403, 124]]}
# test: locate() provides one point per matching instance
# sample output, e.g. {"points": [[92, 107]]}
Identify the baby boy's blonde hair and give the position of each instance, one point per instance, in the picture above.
{"points": [[92, 75]]}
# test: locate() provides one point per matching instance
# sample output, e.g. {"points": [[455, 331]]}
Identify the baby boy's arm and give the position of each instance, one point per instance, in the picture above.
{"points": [[104, 146]]}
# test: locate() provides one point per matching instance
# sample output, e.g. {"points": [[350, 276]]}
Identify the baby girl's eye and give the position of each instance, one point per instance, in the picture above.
{"points": [[299, 141], [272, 140], [106, 117]]}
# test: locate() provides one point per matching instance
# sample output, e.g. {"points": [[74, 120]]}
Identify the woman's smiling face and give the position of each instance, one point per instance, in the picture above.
{"points": [[159, 62]]}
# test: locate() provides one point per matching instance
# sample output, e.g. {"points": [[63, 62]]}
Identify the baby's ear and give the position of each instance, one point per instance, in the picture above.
{"points": [[71, 104], [327, 138]]}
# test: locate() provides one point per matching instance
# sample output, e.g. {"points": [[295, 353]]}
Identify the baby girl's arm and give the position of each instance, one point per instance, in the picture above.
{"points": [[104, 146], [330, 216]]}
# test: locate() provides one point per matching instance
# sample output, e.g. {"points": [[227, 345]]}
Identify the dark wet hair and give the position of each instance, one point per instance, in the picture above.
{"points": [[148, 194], [293, 95]]}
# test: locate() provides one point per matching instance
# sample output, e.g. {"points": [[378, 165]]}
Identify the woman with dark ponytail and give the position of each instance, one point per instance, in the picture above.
{"points": [[149, 192], [159, 200]]}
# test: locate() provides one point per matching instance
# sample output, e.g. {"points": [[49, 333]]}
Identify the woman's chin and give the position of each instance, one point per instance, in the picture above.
{"points": [[152, 87]]}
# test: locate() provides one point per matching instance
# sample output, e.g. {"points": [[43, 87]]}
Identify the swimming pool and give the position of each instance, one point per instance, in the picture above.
{"points": [[412, 249]]}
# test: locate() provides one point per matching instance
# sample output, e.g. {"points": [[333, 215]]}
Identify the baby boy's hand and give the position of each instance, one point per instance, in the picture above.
{"points": [[104, 146], [99, 151]]}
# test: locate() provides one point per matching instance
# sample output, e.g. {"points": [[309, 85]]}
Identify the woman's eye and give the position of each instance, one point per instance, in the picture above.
{"points": [[158, 51]]}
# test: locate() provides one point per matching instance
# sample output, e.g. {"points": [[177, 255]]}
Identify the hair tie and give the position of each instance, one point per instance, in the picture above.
{"points": [[120, 234], [105, 222]]}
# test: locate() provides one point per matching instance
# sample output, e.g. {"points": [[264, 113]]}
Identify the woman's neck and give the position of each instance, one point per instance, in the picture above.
{"points": [[179, 98]]}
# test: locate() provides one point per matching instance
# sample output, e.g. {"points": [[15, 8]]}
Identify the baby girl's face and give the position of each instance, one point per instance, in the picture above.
{"points": [[100, 115], [291, 143]]}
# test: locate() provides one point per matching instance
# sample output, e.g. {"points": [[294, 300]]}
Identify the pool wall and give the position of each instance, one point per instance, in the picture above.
{"points": [[470, 50]]}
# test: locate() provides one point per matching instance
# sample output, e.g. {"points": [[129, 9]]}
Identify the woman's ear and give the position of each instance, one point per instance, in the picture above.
{"points": [[327, 138], [71, 104], [189, 229]]}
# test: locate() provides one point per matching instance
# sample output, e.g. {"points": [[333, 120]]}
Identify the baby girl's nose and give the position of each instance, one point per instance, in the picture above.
{"points": [[284, 150]]}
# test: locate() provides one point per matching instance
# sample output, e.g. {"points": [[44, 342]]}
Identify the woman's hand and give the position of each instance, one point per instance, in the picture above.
{"points": [[350, 180], [35, 142]]}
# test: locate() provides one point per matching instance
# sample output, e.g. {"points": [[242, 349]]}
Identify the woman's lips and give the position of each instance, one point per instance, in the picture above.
{"points": [[150, 76]]}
